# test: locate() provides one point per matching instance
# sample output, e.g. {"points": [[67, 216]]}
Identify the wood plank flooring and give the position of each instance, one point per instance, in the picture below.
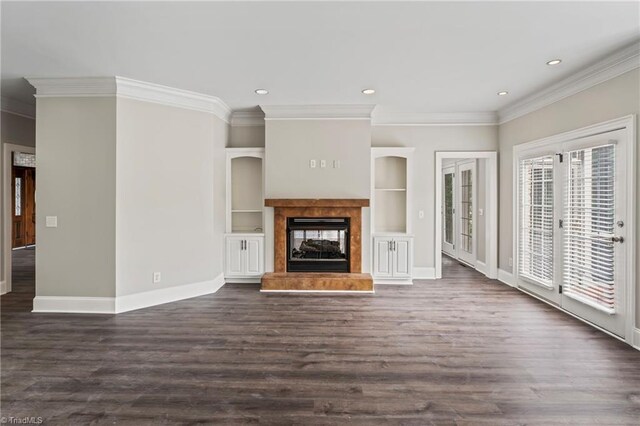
{"points": [[462, 350]]}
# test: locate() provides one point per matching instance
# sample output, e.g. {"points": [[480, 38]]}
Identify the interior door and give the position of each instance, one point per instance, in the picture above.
{"points": [[449, 211], [593, 230], [466, 206], [18, 208], [29, 206]]}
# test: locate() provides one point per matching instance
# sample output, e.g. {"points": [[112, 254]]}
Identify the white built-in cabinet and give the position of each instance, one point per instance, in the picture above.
{"points": [[244, 238], [391, 196]]}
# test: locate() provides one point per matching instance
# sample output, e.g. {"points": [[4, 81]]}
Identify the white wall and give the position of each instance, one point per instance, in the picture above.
{"points": [[16, 130], [427, 140], [166, 212], [290, 144], [612, 99], [76, 181]]}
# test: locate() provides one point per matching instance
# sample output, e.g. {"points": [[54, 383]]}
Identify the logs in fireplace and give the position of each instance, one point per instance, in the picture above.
{"points": [[318, 244]]}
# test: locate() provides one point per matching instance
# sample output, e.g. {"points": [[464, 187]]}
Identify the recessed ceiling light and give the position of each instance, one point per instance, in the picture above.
{"points": [[262, 91], [368, 91], [554, 62], [503, 93]]}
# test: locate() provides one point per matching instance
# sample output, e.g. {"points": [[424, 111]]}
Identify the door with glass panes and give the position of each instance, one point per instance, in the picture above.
{"points": [[466, 199], [448, 210], [572, 228]]}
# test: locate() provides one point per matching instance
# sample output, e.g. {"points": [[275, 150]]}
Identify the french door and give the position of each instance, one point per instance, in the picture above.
{"points": [[449, 211], [465, 224], [571, 227]]}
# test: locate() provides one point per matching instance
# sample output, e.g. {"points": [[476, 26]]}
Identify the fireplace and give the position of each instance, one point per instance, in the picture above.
{"points": [[318, 244]]}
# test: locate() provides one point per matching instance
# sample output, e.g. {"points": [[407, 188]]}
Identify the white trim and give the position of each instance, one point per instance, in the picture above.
{"points": [[488, 118], [247, 119], [317, 112], [7, 149], [129, 89], [616, 64], [506, 278], [626, 122], [116, 305], [165, 295], [321, 291], [424, 273], [636, 338], [491, 208], [3, 287], [481, 267], [75, 305], [16, 107]]}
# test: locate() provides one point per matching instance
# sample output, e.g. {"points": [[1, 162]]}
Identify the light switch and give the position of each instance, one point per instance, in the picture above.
{"points": [[312, 164], [421, 214], [51, 221], [323, 164], [480, 212], [336, 164]]}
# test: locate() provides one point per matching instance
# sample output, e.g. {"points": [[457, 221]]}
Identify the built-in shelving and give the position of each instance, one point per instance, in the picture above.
{"points": [[390, 192], [245, 199]]}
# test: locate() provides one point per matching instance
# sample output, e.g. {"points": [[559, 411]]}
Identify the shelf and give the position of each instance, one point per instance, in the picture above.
{"points": [[392, 189], [246, 211]]}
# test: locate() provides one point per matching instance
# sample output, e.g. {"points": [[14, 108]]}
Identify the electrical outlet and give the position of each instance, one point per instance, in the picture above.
{"points": [[157, 277], [312, 164], [480, 212], [323, 164], [336, 164], [421, 214], [511, 261]]}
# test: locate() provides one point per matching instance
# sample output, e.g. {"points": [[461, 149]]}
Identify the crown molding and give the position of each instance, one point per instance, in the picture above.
{"points": [[247, 119], [130, 89], [16, 107], [489, 118], [317, 112], [612, 66]]}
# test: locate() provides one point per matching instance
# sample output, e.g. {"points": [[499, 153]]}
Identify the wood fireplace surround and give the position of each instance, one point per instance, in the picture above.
{"points": [[282, 280]]}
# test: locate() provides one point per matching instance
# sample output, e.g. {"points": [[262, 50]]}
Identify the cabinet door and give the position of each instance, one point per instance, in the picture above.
{"points": [[402, 254], [235, 256], [254, 253], [382, 263]]}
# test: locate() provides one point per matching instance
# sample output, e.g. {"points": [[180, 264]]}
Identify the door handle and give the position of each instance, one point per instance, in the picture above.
{"points": [[617, 239]]}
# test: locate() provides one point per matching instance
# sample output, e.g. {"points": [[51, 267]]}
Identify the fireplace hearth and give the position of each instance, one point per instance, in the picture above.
{"points": [[317, 244]]}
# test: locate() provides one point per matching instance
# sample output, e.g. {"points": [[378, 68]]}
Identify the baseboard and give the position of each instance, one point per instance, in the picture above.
{"points": [[506, 277], [636, 338], [116, 305], [321, 291], [166, 295], [74, 305], [481, 267], [424, 273], [231, 280], [3, 287]]}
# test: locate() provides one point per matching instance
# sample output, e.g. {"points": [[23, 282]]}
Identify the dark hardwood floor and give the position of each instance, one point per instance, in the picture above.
{"points": [[462, 350]]}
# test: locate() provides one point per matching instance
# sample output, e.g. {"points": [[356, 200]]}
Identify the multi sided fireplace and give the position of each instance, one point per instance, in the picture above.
{"points": [[318, 244]]}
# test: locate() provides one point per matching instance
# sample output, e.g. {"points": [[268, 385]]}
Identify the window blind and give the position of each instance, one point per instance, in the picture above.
{"points": [[589, 227], [536, 220]]}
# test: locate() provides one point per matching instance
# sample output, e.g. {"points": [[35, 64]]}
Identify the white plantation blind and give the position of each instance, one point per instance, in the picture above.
{"points": [[588, 226], [536, 220]]}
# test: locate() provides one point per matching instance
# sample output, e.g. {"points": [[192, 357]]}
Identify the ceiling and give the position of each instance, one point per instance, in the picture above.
{"points": [[420, 57]]}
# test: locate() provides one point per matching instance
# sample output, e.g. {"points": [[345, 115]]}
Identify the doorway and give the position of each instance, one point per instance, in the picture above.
{"points": [[19, 227], [467, 230]]}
